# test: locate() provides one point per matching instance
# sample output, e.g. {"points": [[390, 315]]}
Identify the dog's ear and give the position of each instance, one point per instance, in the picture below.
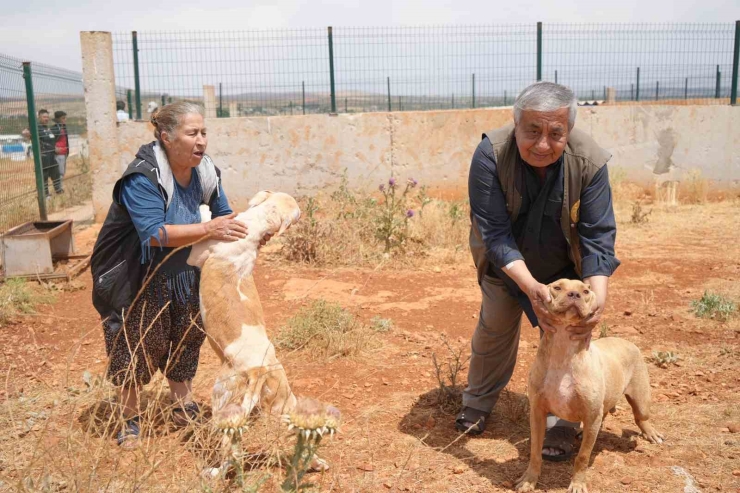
{"points": [[260, 197]]}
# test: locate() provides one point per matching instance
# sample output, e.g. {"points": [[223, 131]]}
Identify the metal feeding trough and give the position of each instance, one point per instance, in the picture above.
{"points": [[29, 250]]}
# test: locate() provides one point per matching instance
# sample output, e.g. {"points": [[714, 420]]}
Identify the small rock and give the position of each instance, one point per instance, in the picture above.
{"points": [[627, 313], [626, 480], [734, 427], [366, 467], [388, 485], [507, 484], [458, 469], [437, 270], [736, 473]]}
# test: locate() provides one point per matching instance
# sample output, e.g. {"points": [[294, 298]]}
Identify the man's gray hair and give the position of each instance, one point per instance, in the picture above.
{"points": [[545, 97]]}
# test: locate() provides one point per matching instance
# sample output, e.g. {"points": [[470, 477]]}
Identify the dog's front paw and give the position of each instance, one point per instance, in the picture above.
{"points": [[318, 464], [577, 487], [528, 482], [652, 435]]}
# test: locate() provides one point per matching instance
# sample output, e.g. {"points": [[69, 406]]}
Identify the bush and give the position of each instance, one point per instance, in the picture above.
{"points": [[712, 305], [327, 330]]}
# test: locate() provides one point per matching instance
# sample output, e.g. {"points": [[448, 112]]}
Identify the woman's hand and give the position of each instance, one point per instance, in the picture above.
{"points": [[226, 228]]}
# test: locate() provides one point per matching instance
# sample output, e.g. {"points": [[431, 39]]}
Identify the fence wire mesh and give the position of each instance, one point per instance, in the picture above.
{"points": [[287, 72], [678, 62], [17, 175], [64, 164]]}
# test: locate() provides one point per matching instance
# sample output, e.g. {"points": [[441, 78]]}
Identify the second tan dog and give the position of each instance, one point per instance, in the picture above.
{"points": [[582, 383]]}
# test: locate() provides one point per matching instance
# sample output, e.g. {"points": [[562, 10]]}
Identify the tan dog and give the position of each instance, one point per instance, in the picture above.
{"points": [[580, 382], [251, 374]]}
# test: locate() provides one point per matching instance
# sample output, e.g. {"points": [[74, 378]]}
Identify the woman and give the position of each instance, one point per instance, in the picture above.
{"points": [[156, 209]]}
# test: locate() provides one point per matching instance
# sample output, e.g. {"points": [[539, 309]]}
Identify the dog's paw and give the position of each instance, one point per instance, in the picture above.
{"points": [[528, 482], [577, 487], [318, 465], [654, 436], [210, 472]]}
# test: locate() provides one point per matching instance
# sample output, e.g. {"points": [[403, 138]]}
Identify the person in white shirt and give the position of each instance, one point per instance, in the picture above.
{"points": [[121, 114]]}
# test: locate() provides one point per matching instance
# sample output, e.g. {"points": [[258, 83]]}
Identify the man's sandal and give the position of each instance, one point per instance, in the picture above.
{"points": [[471, 421], [560, 438], [186, 414], [128, 437]]}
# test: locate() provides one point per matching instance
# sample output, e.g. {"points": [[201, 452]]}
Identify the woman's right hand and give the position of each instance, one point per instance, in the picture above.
{"points": [[226, 228]]}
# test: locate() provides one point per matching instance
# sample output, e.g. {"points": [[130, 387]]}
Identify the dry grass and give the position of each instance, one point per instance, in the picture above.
{"points": [[327, 330], [18, 296]]}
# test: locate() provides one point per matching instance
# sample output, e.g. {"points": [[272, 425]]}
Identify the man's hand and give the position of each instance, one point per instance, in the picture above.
{"points": [[538, 295], [582, 331]]}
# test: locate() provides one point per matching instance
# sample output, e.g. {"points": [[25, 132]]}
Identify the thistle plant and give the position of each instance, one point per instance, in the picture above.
{"points": [[310, 420], [392, 224]]}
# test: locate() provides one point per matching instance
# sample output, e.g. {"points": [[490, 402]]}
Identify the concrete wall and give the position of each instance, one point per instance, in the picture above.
{"points": [[305, 154]]}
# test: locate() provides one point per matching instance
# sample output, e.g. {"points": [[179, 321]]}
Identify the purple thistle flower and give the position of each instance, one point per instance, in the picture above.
{"points": [[392, 182], [410, 213], [412, 182], [381, 187]]}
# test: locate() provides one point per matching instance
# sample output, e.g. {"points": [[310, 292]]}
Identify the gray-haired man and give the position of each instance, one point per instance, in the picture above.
{"points": [[541, 210]]}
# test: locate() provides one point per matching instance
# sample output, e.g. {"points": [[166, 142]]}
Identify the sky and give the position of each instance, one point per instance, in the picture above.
{"points": [[48, 32]]}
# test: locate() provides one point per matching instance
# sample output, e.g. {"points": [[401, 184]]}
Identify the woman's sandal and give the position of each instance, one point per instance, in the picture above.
{"points": [[128, 437], [471, 421], [560, 438], [186, 414]]}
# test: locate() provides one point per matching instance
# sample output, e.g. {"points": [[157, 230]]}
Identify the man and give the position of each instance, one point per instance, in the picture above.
{"points": [[47, 141], [541, 210], [121, 114], [61, 146]]}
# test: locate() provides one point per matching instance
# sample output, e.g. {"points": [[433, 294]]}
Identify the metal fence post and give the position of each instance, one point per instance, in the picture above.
{"points": [[504, 98], [473, 90], [303, 95], [556, 77], [632, 91], [221, 101], [399, 103], [164, 99], [130, 106], [331, 72], [539, 51], [657, 89], [453, 100], [31, 105], [686, 89], [637, 87], [735, 60], [137, 86], [389, 94], [717, 85]]}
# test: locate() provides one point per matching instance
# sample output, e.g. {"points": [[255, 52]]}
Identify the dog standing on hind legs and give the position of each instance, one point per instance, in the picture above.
{"points": [[251, 375], [581, 381]]}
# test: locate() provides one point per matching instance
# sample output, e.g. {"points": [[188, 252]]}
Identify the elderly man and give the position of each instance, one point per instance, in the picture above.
{"points": [[541, 210]]}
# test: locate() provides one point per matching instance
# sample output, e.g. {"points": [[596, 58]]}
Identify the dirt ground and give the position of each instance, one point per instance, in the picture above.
{"points": [[394, 437]]}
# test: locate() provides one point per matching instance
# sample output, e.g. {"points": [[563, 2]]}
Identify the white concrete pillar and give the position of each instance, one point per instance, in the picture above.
{"points": [[100, 108], [233, 109], [209, 101], [611, 95]]}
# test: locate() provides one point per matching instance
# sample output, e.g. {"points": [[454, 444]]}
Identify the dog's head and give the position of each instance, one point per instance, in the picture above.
{"points": [[282, 210], [572, 301]]}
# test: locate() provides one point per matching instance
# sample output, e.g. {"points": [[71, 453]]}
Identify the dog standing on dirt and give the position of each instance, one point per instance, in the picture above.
{"points": [[581, 381], [251, 374]]}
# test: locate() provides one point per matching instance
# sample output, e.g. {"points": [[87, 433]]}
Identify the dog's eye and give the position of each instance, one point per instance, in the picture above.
{"points": [[585, 291], [557, 288]]}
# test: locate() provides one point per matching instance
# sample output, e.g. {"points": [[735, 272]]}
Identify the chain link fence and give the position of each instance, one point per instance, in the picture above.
{"points": [[43, 152], [298, 71]]}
